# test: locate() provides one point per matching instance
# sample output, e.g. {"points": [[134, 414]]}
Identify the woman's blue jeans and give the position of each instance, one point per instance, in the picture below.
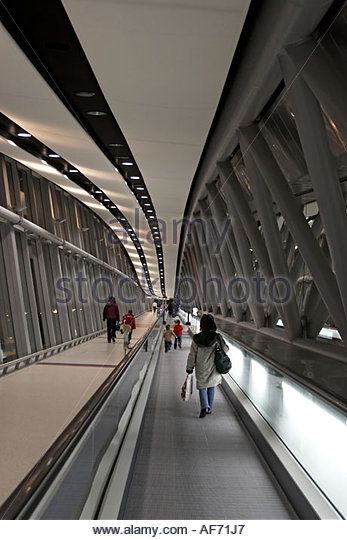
{"points": [[206, 396]]}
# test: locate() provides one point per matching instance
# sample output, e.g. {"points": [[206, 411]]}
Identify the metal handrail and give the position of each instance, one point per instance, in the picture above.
{"points": [[31, 227], [48, 465], [323, 394]]}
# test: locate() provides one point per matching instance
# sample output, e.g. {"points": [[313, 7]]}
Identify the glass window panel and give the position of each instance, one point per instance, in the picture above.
{"points": [[52, 292], [25, 288], [35, 273], [336, 142], [241, 172], [334, 41], [23, 194], [279, 130], [7, 337], [11, 186], [71, 306]]}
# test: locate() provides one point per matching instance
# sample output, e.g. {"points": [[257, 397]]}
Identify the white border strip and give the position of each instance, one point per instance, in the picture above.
{"points": [[114, 495], [260, 428]]}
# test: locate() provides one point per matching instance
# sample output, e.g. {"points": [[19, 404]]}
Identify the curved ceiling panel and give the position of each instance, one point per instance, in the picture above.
{"points": [[52, 46], [161, 65], [29, 102], [35, 164]]}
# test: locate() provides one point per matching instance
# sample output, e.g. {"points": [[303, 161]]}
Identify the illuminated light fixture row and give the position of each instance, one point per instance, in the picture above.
{"points": [[126, 161], [150, 212], [96, 192]]}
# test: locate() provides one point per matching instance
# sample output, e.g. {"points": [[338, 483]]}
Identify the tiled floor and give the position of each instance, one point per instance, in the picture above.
{"points": [[38, 402], [191, 468]]}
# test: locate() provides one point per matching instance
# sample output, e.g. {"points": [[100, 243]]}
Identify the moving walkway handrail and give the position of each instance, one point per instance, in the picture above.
{"points": [[329, 398], [49, 464], [314, 388]]}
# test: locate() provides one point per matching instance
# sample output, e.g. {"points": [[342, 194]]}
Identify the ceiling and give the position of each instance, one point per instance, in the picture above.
{"points": [[161, 65]]}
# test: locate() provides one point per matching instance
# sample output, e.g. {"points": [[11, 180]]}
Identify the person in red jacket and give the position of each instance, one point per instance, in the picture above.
{"points": [[129, 320], [111, 315], [178, 331]]}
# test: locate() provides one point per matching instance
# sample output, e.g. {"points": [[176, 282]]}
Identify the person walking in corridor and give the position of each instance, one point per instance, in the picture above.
{"points": [[201, 357], [111, 315], [129, 320], [178, 331], [168, 335]]}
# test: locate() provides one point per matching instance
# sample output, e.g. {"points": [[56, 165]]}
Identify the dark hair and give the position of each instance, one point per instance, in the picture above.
{"points": [[130, 311], [207, 323]]}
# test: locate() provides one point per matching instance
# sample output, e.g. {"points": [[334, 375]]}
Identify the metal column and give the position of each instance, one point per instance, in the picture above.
{"points": [[296, 222], [323, 173]]}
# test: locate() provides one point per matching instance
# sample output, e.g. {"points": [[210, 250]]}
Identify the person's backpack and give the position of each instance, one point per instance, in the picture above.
{"points": [[221, 359]]}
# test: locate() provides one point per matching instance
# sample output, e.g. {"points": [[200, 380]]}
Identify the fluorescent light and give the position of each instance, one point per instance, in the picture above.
{"points": [[140, 188], [127, 163], [73, 170], [134, 178], [53, 155], [11, 142], [97, 113], [84, 93], [98, 191], [23, 134], [106, 200], [147, 204], [66, 176], [144, 197], [44, 161], [113, 206]]}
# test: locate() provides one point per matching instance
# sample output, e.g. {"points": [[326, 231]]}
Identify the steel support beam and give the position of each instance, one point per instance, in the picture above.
{"points": [[324, 77], [217, 269], [233, 191], [289, 311], [299, 229], [322, 170], [205, 265], [193, 273], [229, 251], [242, 243], [222, 256]]}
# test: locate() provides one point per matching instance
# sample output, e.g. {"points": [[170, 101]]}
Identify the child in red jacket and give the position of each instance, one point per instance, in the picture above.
{"points": [[178, 331], [129, 320]]}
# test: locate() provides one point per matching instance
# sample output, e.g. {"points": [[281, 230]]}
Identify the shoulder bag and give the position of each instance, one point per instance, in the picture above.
{"points": [[221, 359]]}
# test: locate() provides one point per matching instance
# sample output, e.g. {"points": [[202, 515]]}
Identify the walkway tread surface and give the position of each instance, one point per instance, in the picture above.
{"points": [[191, 468]]}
